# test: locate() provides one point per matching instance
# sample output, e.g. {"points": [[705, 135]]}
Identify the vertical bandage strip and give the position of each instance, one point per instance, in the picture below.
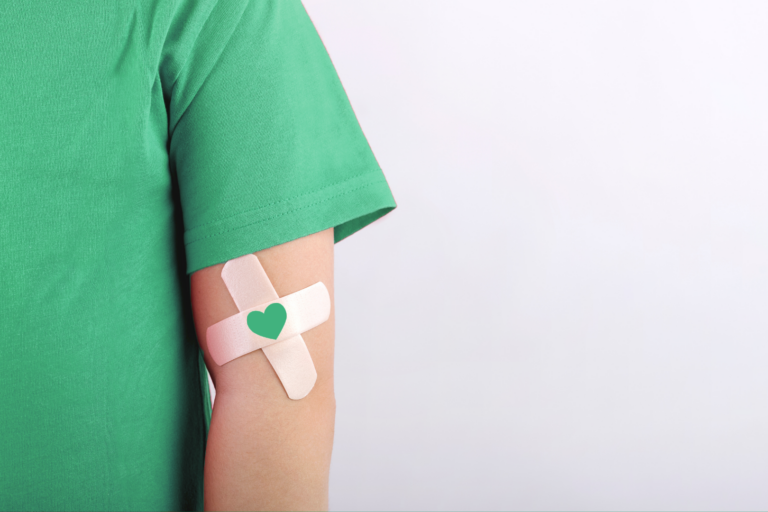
{"points": [[250, 287]]}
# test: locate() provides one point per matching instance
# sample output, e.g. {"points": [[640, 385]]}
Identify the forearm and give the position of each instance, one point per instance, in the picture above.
{"points": [[266, 451]]}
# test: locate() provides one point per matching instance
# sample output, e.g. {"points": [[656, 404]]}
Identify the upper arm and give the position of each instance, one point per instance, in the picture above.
{"points": [[264, 450], [290, 267]]}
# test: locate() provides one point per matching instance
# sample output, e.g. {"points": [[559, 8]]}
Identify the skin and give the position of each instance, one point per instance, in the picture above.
{"points": [[266, 451]]}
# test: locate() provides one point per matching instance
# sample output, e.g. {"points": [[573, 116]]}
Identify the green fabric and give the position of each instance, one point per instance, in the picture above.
{"points": [[140, 141]]}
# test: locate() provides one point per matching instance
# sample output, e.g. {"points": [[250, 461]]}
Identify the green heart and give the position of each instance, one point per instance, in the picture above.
{"points": [[269, 323]]}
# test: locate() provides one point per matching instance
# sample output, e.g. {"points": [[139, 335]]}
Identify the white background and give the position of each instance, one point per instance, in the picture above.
{"points": [[568, 309]]}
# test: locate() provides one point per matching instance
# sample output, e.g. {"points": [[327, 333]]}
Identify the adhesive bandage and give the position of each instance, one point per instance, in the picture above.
{"points": [[271, 323]]}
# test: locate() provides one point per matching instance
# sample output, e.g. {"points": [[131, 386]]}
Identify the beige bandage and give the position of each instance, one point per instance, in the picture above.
{"points": [[251, 290]]}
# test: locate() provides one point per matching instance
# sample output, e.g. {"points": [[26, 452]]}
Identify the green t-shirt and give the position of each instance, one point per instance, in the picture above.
{"points": [[140, 141]]}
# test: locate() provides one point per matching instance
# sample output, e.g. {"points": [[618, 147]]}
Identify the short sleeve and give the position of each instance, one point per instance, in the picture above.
{"points": [[262, 137]]}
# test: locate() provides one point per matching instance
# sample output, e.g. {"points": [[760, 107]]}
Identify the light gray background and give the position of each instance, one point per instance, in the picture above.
{"points": [[567, 310]]}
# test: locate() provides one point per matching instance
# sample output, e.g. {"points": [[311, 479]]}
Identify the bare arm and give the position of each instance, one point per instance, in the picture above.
{"points": [[266, 451]]}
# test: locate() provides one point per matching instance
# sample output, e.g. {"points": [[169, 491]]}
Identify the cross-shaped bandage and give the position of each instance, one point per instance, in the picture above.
{"points": [[270, 323]]}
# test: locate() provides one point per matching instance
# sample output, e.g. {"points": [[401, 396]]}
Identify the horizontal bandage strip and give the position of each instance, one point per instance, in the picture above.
{"points": [[232, 338]]}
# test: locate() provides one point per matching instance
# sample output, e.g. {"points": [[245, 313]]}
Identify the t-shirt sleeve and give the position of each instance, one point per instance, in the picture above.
{"points": [[262, 137]]}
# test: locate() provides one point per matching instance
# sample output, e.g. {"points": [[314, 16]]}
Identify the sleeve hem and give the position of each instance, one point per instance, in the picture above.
{"points": [[347, 207]]}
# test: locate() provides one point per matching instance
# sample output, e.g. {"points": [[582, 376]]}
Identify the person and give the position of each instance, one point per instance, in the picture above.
{"points": [[143, 144]]}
